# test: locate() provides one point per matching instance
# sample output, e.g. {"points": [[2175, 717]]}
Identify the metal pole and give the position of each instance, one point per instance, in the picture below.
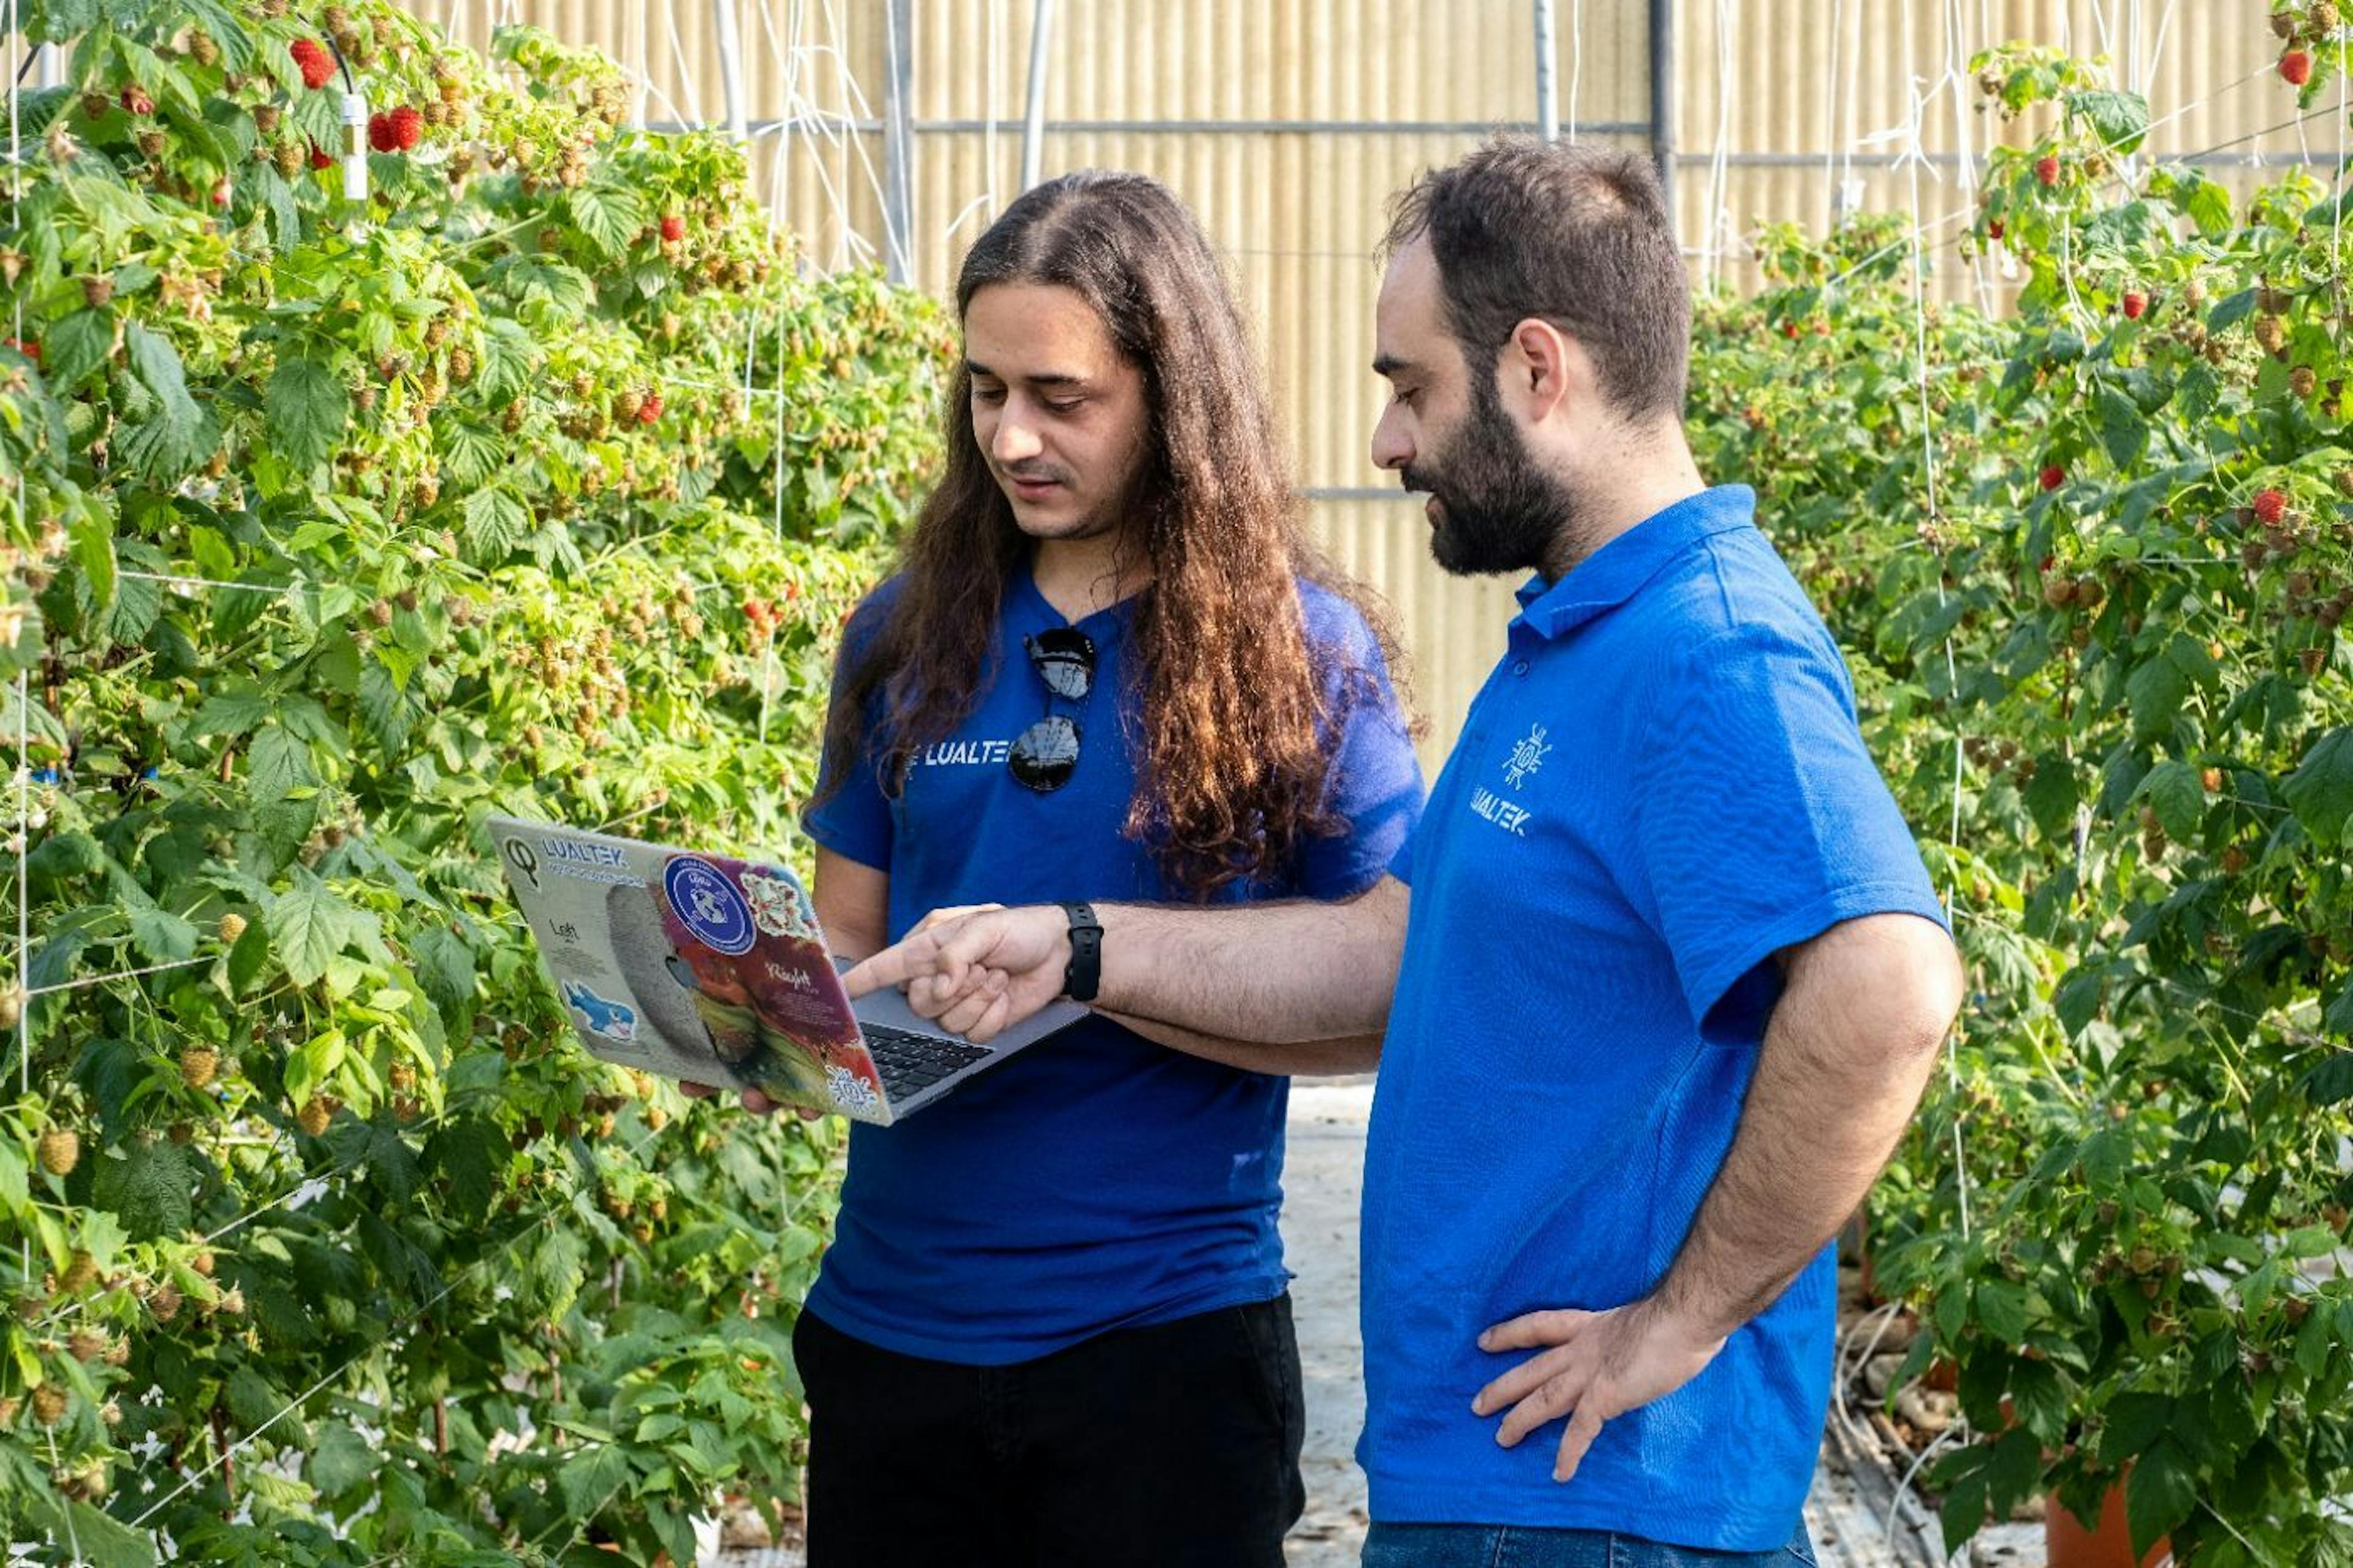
{"points": [[1033, 123], [898, 142], [1663, 98], [731, 65], [1548, 93]]}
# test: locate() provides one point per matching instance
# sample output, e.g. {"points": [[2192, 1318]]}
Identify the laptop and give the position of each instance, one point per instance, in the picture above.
{"points": [[714, 971]]}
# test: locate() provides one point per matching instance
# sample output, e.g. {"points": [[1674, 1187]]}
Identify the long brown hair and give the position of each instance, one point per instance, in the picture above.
{"points": [[1236, 717]]}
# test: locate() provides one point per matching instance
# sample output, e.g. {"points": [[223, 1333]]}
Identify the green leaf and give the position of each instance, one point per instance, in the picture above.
{"points": [[93, 552], [2120, 120], [231, 710], [252, 1399], [446, 965], [2207, 203], [307, 926], [2001, 1309], [495, 523], [2230, 311], [166, 434], [510, 358], [2123, 431], [247, 958], [2338, 1019], [73, 347], [148, 1189], [609, 215], [589, 1479], [278, 764], [2331, 1083], [309, 412], [340, 1462], [2175, 793], [2077, 1001], [2158, 1494], [2155, 693], [137, 601], [2133, 1422], [162, 936], [467, 1155], [102, 1541], [2320, 791]]}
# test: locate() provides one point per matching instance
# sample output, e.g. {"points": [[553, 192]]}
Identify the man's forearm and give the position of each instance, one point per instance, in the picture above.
{"points": [[1281, 973], [1849, 1049], [1304, 1059]]}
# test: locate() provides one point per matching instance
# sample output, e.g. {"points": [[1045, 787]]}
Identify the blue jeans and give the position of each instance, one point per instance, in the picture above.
{"points": [[1529, 1546]]}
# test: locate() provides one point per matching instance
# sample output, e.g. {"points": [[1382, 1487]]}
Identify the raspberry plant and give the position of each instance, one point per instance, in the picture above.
{"points": [[2121, 626], [539, 483]]}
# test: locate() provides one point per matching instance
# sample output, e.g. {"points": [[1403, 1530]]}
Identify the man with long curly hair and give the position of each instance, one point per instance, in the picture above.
{"points": [[1660, 970], [1052, 1328]]}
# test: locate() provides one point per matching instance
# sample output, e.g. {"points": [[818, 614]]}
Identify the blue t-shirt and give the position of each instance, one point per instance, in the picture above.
{"points": [[1097, 1180], [1661, 784]]}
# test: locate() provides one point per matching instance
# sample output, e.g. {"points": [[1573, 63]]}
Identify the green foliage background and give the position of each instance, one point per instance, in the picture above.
{"points": [[329, 529], [2106, 673]]}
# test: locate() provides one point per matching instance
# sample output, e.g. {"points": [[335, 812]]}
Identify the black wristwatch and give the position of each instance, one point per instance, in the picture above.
{"points": [[1085, 971]]}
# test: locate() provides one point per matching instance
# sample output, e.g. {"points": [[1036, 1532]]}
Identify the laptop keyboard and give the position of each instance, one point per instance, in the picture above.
{"points": [[910, 1064]]}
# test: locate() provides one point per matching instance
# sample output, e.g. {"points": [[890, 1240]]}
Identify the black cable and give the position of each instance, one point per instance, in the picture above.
{"points": [[349, 86]]}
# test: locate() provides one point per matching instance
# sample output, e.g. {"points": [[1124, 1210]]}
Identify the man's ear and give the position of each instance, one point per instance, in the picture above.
{"points": [[1540, 361]]}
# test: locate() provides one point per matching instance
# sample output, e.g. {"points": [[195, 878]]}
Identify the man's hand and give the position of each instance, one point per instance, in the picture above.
{"points": [[1600, 1365], [975, 973]]}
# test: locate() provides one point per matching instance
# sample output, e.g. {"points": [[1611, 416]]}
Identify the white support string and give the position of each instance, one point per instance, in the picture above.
{"points": [[1831, 139], [87, 979], [1719, 172], [678, 56], [1960, 214], [73, 1534], [1913, 161], [1576, 62]]}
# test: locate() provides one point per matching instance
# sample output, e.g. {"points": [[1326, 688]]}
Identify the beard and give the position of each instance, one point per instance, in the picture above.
{"points": [[1496, 509]]}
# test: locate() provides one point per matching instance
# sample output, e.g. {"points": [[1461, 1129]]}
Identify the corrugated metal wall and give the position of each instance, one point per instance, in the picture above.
{"points": [[1286, 123]]}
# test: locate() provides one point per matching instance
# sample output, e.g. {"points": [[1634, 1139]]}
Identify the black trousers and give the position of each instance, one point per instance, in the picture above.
{"points": [[1167, 1447]]}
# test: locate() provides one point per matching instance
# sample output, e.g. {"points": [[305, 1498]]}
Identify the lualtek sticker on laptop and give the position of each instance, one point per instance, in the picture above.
{"points": [[695, 966]]}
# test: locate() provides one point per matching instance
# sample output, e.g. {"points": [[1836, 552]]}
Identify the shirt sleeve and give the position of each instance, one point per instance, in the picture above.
{"points": [[1760, 818], [854, 819], [1375, 783]]}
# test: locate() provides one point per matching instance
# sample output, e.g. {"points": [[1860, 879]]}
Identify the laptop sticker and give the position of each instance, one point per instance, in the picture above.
{"points": [[615, 1020]]}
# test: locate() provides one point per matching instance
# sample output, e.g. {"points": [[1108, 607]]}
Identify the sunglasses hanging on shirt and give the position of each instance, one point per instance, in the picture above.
{"points": [[1046, 753]]}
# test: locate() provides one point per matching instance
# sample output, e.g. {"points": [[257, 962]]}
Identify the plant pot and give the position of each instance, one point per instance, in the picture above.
{"points": [[2067, 1544]]}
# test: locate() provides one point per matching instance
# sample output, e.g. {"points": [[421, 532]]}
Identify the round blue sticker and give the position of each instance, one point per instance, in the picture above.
{"points": [[707, 900]]}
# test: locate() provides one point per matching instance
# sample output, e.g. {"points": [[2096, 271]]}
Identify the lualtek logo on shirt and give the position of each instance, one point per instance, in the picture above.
{"points": [[1528, 756], [966, 754]]}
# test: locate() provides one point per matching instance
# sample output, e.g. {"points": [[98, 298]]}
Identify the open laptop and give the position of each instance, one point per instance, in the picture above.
{"points": [[714, 971]]}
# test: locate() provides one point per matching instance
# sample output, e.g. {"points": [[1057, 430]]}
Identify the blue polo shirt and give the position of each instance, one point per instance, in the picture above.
{"points": [[1097, 1180], [1661, 784]]}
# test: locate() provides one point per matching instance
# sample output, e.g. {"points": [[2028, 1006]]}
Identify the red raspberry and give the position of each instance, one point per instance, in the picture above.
{"points": [[2046, 168], [408, 128], [2270, 507], [673, 228], [2135, 303], [2295, 67], [380, 135], [2052, 476], [318, 66], [651, 409]]}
